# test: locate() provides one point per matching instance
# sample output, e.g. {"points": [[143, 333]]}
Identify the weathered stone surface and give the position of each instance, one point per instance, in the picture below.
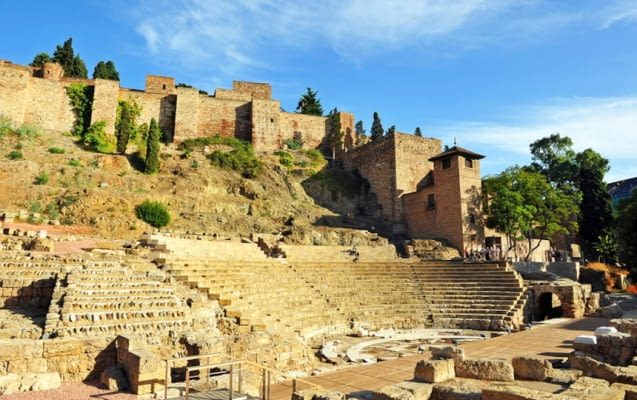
{"points": [[534, 369], [28, 349], [447, 352], [114, 378], [317, 393], [509, 391], [456, 389], [565, 376], [9, 384], [393, 392], [421, 391], [607, 372], [490, 369], [586, 388], [433, 371], [40, 381], [630, 390]]}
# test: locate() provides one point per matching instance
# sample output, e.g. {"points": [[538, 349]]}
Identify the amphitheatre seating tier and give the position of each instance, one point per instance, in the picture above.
{"points": [[220, 250], [111, 297], [297, 253], [334, 296]]}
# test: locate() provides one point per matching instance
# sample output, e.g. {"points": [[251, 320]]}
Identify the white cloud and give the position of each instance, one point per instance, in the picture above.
{"points": [[621, 11], [607, 125]]}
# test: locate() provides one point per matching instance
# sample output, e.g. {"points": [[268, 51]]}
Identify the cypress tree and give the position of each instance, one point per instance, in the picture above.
{"points": [[152, 148], [377, 128], [309, 104], [417, 132], [124, 128]]}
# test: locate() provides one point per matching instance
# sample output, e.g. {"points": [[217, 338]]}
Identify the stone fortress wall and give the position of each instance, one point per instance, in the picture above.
{"points": [[247, 111]]}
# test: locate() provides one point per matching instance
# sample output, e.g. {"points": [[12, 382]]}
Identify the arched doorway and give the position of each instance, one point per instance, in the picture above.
{"points": [[548, 306]]}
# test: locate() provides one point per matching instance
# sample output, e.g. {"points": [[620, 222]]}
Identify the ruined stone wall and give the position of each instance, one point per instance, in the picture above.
{"points": [[412, 155], [14, 80], [187, 112], [310, 129], [470, 187], [161, 106], [376, 162], [228, 118], [48, 105], [258, 91], [105, 97], [266, 122]]}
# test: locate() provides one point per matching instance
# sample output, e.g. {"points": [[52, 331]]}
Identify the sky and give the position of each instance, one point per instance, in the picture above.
{"points": [[491, 76]]}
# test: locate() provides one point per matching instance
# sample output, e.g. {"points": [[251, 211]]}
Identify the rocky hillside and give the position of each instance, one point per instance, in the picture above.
{"points": [[53, 177]]}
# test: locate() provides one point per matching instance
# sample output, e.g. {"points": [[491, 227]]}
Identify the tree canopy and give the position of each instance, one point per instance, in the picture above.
{"points": [[40, 59], [73, 65], [152, 148], [418, 132], [335, 134], [309, 104], [525, 207], [627, 230], [106, 70], [377, 131]]}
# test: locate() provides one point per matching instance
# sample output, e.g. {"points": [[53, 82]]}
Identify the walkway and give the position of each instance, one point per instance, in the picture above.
{"points": [[550, 340]]}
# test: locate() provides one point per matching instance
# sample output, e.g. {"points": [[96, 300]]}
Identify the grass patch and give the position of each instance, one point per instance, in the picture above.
{"points": [[41, 179], [56, 150], [15, 155]]}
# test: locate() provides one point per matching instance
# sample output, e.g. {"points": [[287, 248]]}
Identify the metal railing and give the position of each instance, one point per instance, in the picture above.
{"points": [[234, 370]]}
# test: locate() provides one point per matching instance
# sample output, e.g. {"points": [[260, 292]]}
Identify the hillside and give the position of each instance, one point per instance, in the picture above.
{"points": [[52, 177]]}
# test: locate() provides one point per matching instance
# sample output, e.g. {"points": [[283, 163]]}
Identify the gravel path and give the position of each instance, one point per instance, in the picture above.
{"points": [[72, 391]]}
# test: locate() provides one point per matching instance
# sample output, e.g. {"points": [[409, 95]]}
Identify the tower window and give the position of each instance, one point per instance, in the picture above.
{"points": [[431, 201], [468, 163], [446, 164], [472, 218]]}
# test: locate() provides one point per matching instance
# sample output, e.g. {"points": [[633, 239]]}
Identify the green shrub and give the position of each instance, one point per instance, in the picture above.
{"points": [[41, 179], [153, 212], [52, 210], [293, 144], [97, 139], [315, 156], [194, 164], [6, 126], [285, 159], [35, 206], [56, 150], [30, 131], [15, 155], [75, 163]]}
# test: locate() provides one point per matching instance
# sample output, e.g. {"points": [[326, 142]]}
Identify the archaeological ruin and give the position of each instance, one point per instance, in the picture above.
{"points": [[174, 312]]}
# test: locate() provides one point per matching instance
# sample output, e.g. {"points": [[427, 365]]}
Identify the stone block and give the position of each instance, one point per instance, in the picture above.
{"points": [[393, 392], [447, 352], [114, 378], [9, 383], [565, 376], [629, 390], [529, 368], [586, 388], [12, 349], [317, 393], [489, 369], [509, 391], [433, 371], [38, 382], [455, 389], [604, 330], [148, 383], [421, 391], [142, 362], [585, 339]]}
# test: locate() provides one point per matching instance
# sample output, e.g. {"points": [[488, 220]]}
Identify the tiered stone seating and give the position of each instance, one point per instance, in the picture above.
{"points": [[220, 250], [262, 296], [107, 298], [28, 281], [476, 296], [297, 253]]}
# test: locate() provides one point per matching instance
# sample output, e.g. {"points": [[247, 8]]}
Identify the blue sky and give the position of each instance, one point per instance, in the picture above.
{"points": [[493, 75]]}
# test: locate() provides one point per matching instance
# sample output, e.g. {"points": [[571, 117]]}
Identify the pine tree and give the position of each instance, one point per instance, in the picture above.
{"points": [[152, 148], [391, 130], [358, 128], [40, 59], [73, 66], [417, 132], [377, 128], [309, 104], [106, 70]]}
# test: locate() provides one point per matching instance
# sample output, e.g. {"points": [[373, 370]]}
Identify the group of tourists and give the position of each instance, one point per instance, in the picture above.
{"points": [[482, 254]]}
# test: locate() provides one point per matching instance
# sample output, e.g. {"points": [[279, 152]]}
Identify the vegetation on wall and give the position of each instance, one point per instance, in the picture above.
{"points": [[151, 164], [153, 212], [237, 155], [96, 138], [81, 98], [125, 123]]}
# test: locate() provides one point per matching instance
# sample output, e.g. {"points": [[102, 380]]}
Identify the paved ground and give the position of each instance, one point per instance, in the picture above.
{"points": [[551, 341]]}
